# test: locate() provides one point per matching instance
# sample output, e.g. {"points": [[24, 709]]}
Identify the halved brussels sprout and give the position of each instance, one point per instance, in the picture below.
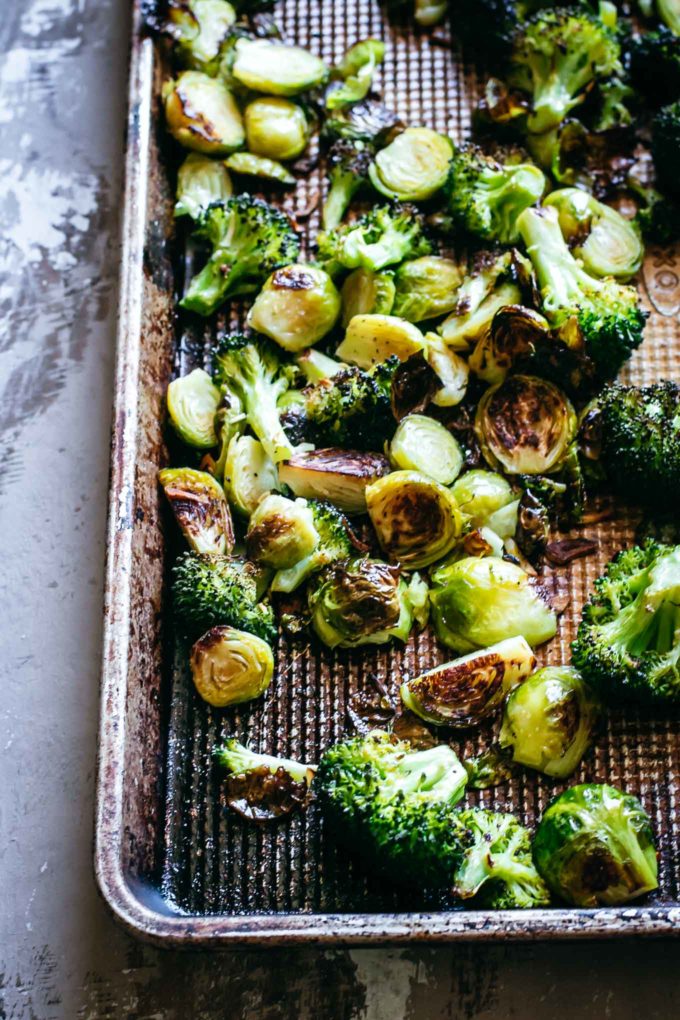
{"points": [[463, 692], [200, 508], [276, 128], [249, 474], [451, 370], [480, 494], [281, 532], [423, 444], [230, 421], [474, 312], [372, 339], [259, 166], [275, 68], [316, 366], [416, 519], [200, 182], [515, 332], [525, 426], [361, 602], [606, 242], [192, 404], [412, 167], [297, 306], [548, 722], [202, 114], [366, 293], [479, 602], [356, 70], [426, 288], [339, 476], [231, 666], [200, 28]]}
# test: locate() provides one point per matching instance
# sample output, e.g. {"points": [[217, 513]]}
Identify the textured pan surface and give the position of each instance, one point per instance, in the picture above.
{"points": [[161, 815]]}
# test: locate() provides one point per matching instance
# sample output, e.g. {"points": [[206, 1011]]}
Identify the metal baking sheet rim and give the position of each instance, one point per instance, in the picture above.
{"points": [[128, 899]]}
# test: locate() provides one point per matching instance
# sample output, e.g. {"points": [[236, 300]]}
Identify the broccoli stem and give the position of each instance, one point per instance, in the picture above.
{"points": [[344, 187], [559, 275], [263, 416], [239, 759]]}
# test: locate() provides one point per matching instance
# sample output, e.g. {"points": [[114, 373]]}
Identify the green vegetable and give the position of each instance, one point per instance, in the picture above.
{"points": [[297, 306], [548, 721], [249, 474], [515, 333], [202, 114], [479, 602], [200, 508], [463, 692], [595, 847], [259, 166], [231, 666], [666, 147], [239, 760], [425, 445], [249, 240], [382, 237], [491, 285], [339, 476], [669, 12], [367, 293], [605, 242], [355, 72], [348, 161], [371, 339], [276, 128], [315, 365], [451, 370], [275, 68], [480, 495], [628, 642], [281, 532], [413, 167], [192, 402], [334, 543], [212, 590], [199, 29], [426, 288], [200, 182], [655, 65]]}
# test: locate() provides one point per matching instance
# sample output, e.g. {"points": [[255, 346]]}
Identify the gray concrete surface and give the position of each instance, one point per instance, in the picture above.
{"points": [[62, 81]]}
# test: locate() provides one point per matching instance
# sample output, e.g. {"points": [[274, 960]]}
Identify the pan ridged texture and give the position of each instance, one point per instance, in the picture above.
{"points": [[211, 861]]}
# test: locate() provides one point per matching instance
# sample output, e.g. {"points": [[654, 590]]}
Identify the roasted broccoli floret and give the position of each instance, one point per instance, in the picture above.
{"points": [[556, 57], [603, 313], [353, 409], [666, 147], [210, 590], [628, 642], [654, 59], [254, 373], [334, 544], [487, 28], [657, 217], [348, 163], [367, 121], [249, 240], [637, 430], [383, 237], [486, 195], [239, 759]]}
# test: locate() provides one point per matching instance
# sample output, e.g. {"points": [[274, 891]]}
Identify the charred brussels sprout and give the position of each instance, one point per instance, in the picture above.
{"points": [[199, 29], [479, 602], [281, 532], [669, 12], [594, 847], [516, 333], [413, 167], [481, 495], [275, 68], [463, 692], [249, 474], [606, 243], [231, 666], [200, 508], [297, 306], [423, 444], [200, 182], [192, 404], [340, 476], [426, 288], [367, 293], [416, 519], [548, 721], [362, 602], [354, 73], [276, 128], [202, 114], [259, 166], [451, 370], [525, 425], [490, 285], [372, 339]]}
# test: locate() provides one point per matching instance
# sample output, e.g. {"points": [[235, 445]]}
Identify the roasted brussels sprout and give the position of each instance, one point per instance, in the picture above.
{"points": [[202, 114], [340, 476], [479, 602], [489, 286], [200, 508], [231, 666], [669, 12], [276, 128], [281, 532], [363, 602], [249, 474], [426, 288], [548, 722], [260, 787], [354, 73], [463, 692], [297, 306], [200, 181], [606, 243], [525, 425], [594, 847], [275, 68], [367, 293], [372, 339], [481, 495], [199, 29], [516, 332], [192, 402], [416, 519], [259, 166], [423, 444], [451, 370], [412, 167]]}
